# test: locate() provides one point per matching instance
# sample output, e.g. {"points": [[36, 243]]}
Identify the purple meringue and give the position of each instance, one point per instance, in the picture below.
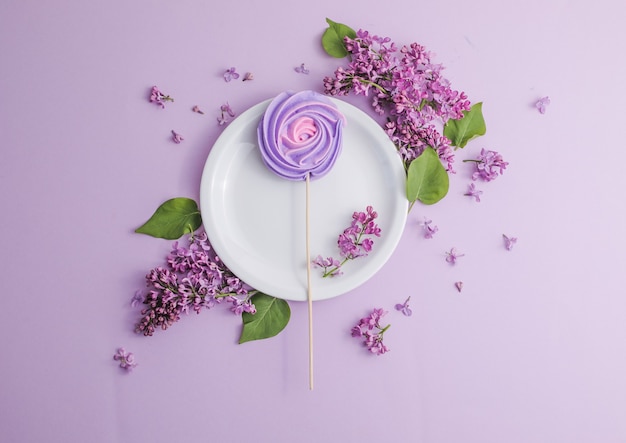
{"points": [[300, 133]]}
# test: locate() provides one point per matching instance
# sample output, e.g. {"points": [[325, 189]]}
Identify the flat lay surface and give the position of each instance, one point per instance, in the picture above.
{"points": [[519, 345]]}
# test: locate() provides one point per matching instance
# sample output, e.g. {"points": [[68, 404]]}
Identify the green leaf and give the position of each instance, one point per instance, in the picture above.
{"points": [[173, 219], [427, 179], [271, 317], [467, 128], [332, 39]]}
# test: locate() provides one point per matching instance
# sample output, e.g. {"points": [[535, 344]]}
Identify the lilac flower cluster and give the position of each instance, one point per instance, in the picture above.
{"points": [[489, 165], [157, 97], [372, 332], [406, 86], [194, 278], [352, 242]]}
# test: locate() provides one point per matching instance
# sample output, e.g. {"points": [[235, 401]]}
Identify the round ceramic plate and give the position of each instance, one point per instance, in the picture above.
{"points": [[256, 221]]}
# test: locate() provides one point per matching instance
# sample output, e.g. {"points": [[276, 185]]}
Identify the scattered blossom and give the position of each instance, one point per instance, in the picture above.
{"points": [[408, 87], [137, 298], [230, 74], [194, 279], [177, 137], [157, 97], [509, 242], [473, 192], [429, 230], [247, 76], [302, 69], [354, 242], [458, 285], [489, 165], [197, 110], [370, 330], [126, 359], [226, 112], [453, 256], [542, 103], [404, 307]]}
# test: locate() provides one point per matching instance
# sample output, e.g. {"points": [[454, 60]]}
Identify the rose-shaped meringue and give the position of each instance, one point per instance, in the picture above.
{"points": [[299, 134]]}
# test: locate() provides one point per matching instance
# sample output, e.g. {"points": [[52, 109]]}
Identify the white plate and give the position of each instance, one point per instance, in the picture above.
{"points": [[255, 220]]}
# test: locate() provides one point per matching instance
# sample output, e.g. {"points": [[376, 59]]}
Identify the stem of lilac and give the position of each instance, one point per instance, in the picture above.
{"points": [[473, 160], [382, 331], [328, 273], [371, 83]]}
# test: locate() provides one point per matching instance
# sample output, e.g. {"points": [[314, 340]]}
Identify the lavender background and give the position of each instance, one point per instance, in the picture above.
{"points": [[534, 348]]}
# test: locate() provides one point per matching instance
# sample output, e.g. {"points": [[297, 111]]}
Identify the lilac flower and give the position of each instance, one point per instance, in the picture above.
{"points": [[542, 103], [177, 137], [126, 359], [429, 230], [458, 285], [352, 243], [331, 265], [509, 242], [157, 97], [301, 69], [225, 112], [369, 329], [407, 86], [404, 307], [193, 279], [473, 192], [247, 76], [489, 165], [137, 298], [453, 256], [230, 74], [197, 110]]}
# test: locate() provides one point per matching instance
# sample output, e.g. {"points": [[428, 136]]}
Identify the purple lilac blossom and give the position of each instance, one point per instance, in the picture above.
{"points": [[301, 69], [137, 298], [126, 359], [473, 192], [429, 230], [404, 307], [458, 285], [230, 74], [509, 242], [489, 165], [197, 110], [225, 112], [157, 97], [193, 279], [369, 329], [453, 256], [247, 77], [352, 242], [542, 103], [176, 137], [407, 86]]}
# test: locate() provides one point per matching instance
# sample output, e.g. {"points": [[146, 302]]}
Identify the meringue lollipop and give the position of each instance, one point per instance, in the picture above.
{"points": [[300, 138]]}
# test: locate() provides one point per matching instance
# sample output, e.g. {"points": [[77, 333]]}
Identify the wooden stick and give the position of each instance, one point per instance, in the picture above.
{"points": [[308, 284]]}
